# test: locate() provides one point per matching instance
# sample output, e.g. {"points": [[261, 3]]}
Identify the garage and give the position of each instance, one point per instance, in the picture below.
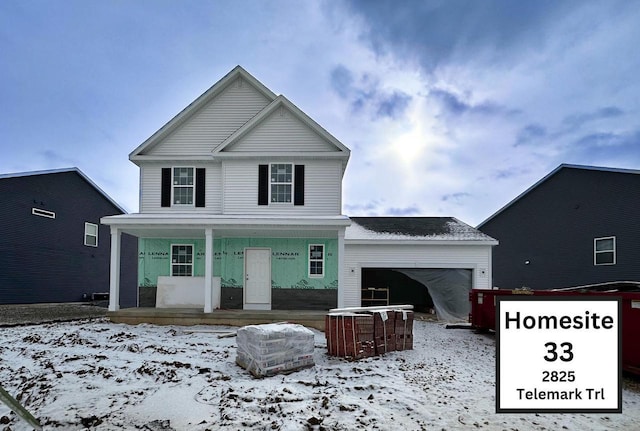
{"points": [[429, 262], [421, 287]]}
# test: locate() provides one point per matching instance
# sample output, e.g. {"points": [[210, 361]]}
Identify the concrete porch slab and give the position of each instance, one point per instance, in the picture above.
{"points": [[188, 316]]}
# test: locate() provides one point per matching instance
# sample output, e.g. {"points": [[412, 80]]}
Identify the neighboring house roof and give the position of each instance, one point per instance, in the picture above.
{"points": [[64, 170], [194, 106], [413, 229], [281, 101], [552, 173]]}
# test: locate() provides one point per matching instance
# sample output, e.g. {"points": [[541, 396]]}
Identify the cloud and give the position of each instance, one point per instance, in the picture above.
{"points": [[575, 121], [365, 95], [454, 105], [530, 133], [410, 210], [455, 197], [53, 158], [439, 32], [394, 105], [368, 208], [605, 149]]}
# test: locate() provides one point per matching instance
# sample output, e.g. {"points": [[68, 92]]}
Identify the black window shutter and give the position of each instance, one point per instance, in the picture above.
{"points": [[263, 184], [200, 186], [165, 192], [298, 181]]}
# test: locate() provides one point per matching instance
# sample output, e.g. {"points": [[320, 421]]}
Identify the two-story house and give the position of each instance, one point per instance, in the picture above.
{"points": [[52, 246], [240, 207], [241, 193], [576, 226]]}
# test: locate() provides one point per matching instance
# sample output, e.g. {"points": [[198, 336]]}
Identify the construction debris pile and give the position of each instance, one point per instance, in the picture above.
{"points": [[366, 333], [266, 350]]}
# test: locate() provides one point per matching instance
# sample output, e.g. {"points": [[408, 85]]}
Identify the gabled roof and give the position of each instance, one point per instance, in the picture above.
{"points": [[552, 173], [194, 106], [278, 102], [413, 229], [64, 170]]}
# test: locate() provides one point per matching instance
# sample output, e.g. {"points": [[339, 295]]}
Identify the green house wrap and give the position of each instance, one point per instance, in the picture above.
{"points": [[290, 260]]}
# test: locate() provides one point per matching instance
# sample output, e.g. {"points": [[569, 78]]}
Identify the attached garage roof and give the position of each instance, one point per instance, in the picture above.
{"points": [[413, 229]]}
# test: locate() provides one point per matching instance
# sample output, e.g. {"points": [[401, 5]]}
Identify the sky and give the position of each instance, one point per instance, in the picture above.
{"points": [[450, 108]]}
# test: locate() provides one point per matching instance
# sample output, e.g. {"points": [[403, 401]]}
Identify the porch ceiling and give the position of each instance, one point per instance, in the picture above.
{"points": [[194, 225], [180, 232]]}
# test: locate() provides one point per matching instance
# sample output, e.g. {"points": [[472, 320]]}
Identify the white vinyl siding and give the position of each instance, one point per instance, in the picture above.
{"points": [[281, 132], [358, 256], [323, 189], [207, 128], [151, 184]]}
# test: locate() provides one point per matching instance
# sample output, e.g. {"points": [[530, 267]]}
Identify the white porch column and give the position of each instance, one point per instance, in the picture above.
{"points": [[341, 268], [114, 272], [208, 271]]}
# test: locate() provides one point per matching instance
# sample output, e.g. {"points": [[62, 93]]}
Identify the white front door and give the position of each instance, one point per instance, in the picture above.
{"points": [[257, 279]]}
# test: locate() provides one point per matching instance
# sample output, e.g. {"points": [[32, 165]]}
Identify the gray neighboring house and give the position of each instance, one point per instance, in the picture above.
{"points": [[578, 225], [53, 247]]}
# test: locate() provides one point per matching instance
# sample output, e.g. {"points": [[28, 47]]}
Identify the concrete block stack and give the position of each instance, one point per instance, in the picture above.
{"points": [[266, 350]]}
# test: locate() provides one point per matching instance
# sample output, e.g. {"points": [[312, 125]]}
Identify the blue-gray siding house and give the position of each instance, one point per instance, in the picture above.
{"points": [[578, 225], [52, 246]]}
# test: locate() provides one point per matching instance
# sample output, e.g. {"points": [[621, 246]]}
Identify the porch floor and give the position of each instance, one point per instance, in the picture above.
{"points": [[191, 316]]}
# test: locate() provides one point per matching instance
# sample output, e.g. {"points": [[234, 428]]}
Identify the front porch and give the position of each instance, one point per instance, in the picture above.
{"points": [[192, 316]]}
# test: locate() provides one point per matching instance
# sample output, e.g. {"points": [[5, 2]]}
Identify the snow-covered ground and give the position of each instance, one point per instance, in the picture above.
{"points": [[104, 376]]}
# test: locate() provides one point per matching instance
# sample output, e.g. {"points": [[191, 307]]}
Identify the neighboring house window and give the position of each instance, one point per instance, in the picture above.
{"points": [[281, 182], [43, 213], [181, 260], [316, 260], [183, 186], [604, 251], [91, 234]]}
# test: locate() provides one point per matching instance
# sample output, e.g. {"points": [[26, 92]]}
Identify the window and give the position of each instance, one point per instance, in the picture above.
{"points": [[281, 182], [604, 251], [91, 234], [316, 260], [183, 185], [43, 213], [181, 260]]}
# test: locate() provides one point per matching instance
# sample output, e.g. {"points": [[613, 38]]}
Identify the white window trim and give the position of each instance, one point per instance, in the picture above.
{"points": [[173, 187], [596, 252], [43, 213], [86, 234], [193, 250], [293, 175], [324, 250]]}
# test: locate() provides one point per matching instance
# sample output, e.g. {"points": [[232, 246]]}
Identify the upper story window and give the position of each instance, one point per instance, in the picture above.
{"points": [[316, 260], [604, 251], [181, 260], [281, 182], [183, 186], [91, 234]]}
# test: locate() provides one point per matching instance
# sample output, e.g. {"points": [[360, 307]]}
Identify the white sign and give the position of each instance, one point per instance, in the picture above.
{"points": [[558, 354]]}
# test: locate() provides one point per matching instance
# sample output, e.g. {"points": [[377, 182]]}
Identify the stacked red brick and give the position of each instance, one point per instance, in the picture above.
{"points": [[363, 335], [404, 330], [349, 335]]}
